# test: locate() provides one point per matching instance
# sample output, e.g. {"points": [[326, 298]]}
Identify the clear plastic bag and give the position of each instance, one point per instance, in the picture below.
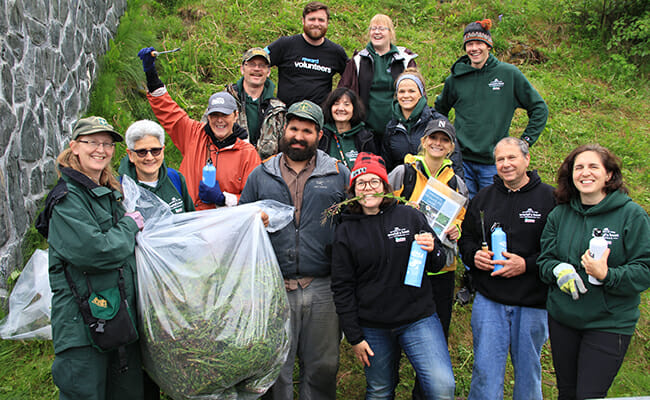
{"points": [[214, 311], [30, 302]]}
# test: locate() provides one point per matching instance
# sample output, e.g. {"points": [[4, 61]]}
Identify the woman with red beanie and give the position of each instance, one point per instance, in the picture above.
{"points": [[380, 314]]}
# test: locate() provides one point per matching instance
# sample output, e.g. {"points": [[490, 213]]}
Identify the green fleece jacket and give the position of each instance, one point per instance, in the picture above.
{"points": [[88, 233], [614, 306], [484, 101], [165, 189]]}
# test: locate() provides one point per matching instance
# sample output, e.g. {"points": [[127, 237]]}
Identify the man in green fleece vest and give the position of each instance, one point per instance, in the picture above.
{"points": [[485, 93]]}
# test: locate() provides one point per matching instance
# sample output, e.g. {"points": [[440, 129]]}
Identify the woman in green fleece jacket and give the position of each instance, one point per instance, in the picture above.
{"points": [[590, 325]]}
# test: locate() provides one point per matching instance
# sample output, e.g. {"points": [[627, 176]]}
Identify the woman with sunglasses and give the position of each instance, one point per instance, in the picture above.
{"points": [[371, 73], [380, 314], [145, 164]]}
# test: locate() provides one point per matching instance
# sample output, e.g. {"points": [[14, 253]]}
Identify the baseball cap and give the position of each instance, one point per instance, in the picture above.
{"points": [[255, 52], [441, 125], [90, 125], [305, 109], [222, 102]]}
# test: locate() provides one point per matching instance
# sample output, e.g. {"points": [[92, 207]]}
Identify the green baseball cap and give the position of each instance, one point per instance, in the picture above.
{"points": [[90, 125], [256, 52], [305, 109]]}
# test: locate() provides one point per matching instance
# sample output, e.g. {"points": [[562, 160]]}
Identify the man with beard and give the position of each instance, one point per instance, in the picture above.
{"points": [[308, 61], [217, 141], [311, 181], [260, 113]]}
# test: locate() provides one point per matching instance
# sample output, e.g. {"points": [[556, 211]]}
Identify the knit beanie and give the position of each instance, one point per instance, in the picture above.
{"points": [[479, 30], [368, 163]]}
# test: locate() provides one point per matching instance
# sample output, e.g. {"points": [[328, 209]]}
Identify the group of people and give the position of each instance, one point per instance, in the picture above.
{"points": [[371, 140]]}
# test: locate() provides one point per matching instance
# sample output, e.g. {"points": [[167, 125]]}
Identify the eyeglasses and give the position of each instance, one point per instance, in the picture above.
{"points": [[362, 185], [256, 65], [378, 28], [155, 151], [94, 144]]}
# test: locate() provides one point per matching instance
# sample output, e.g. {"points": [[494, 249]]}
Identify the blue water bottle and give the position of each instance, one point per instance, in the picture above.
{"points": [[209, 174], [499, 245], [415, 268]]}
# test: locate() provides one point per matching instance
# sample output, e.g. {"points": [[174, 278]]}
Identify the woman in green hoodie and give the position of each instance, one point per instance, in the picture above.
{"points": [[591, 324], [344, 133]]}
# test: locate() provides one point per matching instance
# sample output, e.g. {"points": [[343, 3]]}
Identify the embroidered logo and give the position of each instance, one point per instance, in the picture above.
{"points": [[100, 302], [358, 172], [530, 216], [496, 84], [399, 234], [610, 235]]}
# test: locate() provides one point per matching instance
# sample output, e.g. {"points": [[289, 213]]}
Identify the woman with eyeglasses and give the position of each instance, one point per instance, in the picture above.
{"points": [[344, 134], [91, 245], [371, 73], [379, 313], [145, 164]]}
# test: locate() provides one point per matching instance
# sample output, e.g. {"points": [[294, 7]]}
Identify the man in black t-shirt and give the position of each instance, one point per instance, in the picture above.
{"points": [[308, 61]]}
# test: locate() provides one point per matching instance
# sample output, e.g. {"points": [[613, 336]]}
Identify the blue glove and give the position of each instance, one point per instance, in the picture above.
{"points": [[211, 195], [148, 61]]}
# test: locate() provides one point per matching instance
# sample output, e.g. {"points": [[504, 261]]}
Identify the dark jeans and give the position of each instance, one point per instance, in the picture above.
{"points": [[586, 361]]}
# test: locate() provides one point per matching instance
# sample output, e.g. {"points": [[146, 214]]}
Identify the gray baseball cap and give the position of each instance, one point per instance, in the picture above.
{"points": [[305, 109], [441, 125], [222, 102]]}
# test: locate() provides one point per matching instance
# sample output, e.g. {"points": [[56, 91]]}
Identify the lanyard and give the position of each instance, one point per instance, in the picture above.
{"points": [[338, 145]]}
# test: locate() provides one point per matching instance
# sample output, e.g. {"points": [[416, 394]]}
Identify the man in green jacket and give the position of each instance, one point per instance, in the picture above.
{"points": [[260, 113], [485, 93]]}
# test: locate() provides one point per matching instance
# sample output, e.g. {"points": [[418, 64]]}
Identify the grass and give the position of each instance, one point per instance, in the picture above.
{"points": [[591, 94]]}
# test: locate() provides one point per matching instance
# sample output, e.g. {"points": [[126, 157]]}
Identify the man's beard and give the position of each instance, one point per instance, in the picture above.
{"points": [[308, 32], [297, 154]]}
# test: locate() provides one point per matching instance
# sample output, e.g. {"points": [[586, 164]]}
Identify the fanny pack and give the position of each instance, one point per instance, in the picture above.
{"points": [[107, 316]]}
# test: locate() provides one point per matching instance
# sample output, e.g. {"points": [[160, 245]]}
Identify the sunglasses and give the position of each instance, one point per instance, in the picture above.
{"points": [[155, 151]]}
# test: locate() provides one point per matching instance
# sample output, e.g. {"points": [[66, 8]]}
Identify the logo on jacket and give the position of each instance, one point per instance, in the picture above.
{"points": [[530, 216], [610, 235], [496, 84], [399, 234]]}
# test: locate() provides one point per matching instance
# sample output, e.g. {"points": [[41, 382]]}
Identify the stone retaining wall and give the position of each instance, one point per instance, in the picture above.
{"points": [[49, 52]]}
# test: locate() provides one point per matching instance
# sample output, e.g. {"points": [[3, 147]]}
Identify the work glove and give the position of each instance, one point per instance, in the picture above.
{"points": [[148, 61], [211, 194], [137, 217], [568, 280]]}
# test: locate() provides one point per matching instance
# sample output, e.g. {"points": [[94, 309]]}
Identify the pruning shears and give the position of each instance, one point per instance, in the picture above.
{"points": [[157, 53]]}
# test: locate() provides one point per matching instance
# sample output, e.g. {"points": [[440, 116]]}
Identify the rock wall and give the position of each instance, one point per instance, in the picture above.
{"points": [[49, 52]]}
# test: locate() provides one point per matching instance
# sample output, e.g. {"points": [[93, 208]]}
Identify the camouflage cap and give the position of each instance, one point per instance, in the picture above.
{"points": [[256, 52], [90, 125], [305, 109]]}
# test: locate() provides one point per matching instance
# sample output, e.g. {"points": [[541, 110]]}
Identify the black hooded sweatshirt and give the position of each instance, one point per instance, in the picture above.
{"points": [[522, 215], [369, 259]]}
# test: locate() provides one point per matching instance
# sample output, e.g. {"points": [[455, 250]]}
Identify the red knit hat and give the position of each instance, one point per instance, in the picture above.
{"points": [[368, 163]]}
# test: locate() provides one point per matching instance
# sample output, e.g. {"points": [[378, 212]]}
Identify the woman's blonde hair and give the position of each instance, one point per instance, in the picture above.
{"points": [[68, 159], [383, 20]]}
